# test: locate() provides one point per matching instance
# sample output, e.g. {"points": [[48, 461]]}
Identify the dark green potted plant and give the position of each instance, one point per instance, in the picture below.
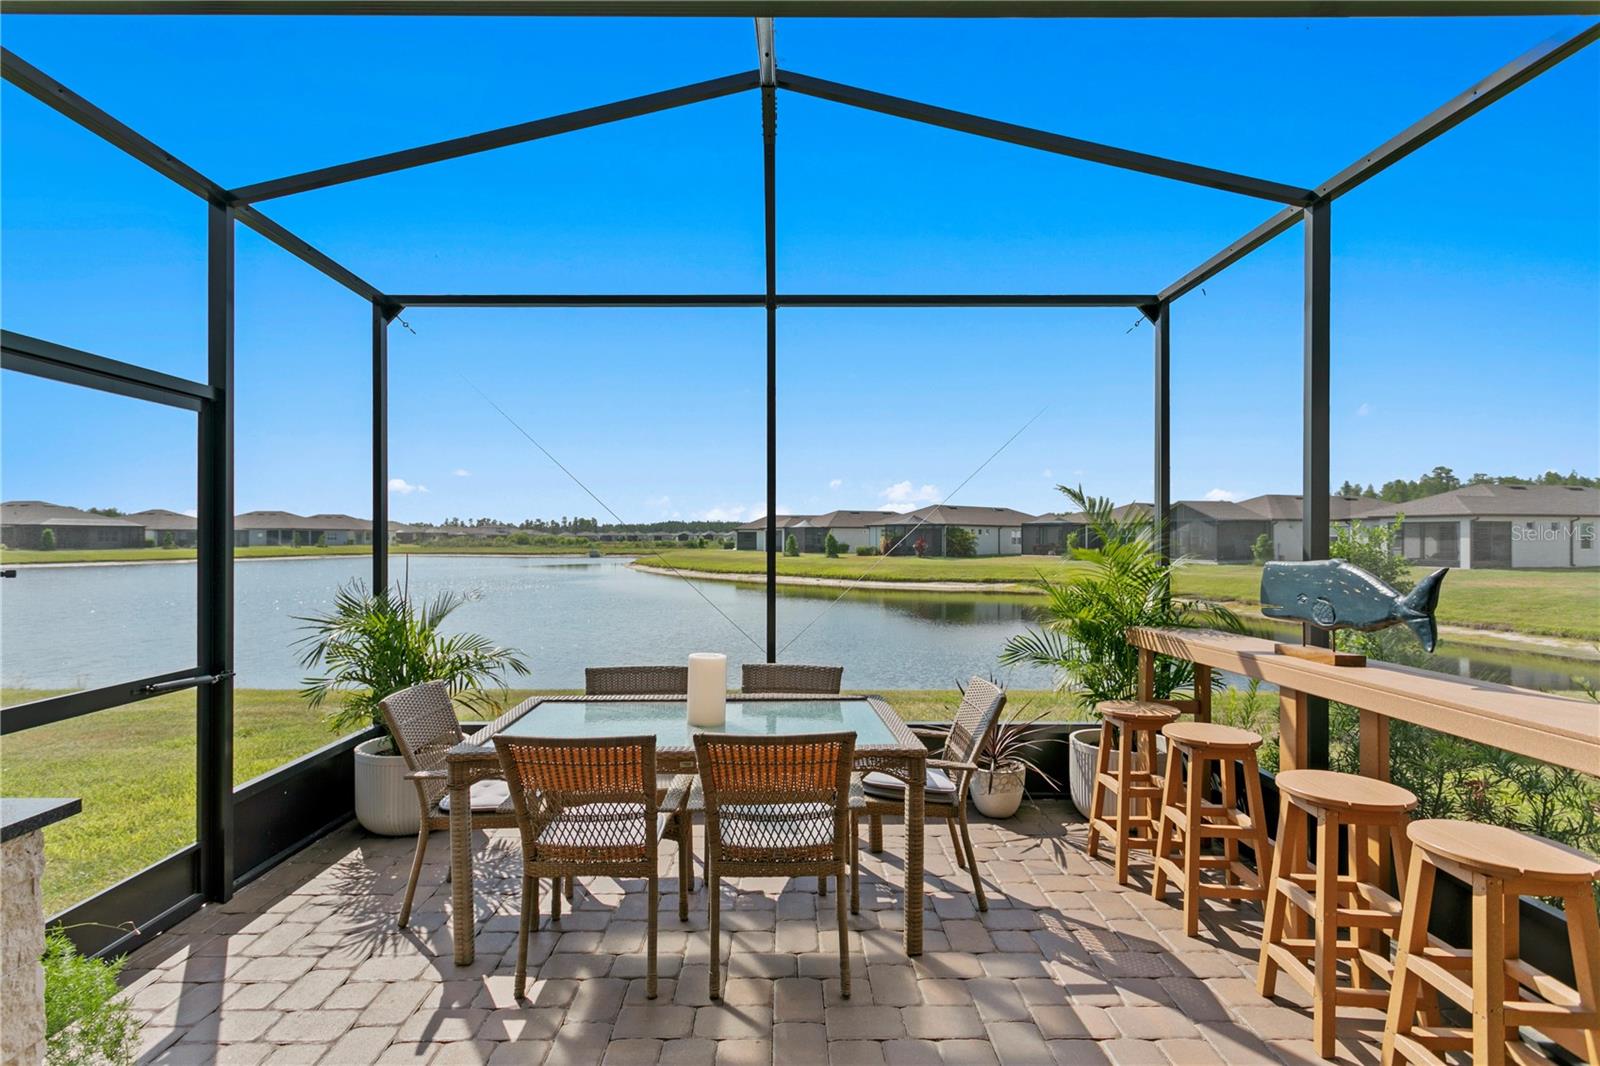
{"points": [[1123, 582], [372, 644], [1006, 758]]}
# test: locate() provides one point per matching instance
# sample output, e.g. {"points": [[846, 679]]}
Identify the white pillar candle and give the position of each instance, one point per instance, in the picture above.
{"points": [[708, 689]]}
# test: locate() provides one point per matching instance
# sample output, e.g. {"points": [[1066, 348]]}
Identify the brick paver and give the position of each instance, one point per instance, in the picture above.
{"points": [[1066, 967]]}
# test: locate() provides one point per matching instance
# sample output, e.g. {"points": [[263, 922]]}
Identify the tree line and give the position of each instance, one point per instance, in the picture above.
{"points": [[1443, 479]]}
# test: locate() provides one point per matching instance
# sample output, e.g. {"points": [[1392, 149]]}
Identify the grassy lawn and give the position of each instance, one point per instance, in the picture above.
{"points": [[1563, 603], [134, 769]]}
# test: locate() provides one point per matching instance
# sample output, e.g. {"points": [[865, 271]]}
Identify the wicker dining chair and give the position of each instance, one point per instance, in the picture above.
{"points": [[422, 719], [946, 781], [788, 677], [584, 808], [636, 681], [653, 681], [776, 806]]}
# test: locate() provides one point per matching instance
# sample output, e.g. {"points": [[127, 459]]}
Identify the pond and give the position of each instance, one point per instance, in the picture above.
{"points": [[72, 627]]}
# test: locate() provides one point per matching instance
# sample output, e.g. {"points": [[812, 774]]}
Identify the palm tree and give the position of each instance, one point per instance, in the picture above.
{"points": [[377, 643], [1125, 582]]}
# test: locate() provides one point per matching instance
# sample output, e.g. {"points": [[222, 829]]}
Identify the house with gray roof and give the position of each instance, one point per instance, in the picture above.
{"points": [[997, 530], [1499, 527], [287, 529], [23, 524], [160, 524], [1283, 511]]}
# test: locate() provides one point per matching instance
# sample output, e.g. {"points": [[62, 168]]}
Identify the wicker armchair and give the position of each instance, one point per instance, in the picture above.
{"points": [[782, 677], [776, 807], [422, 720], [947, 778], [584, 808], [636, 681]]}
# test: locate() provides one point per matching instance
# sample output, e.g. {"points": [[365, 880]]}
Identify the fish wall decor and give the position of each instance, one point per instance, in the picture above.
{"points": [[1332, 594]]}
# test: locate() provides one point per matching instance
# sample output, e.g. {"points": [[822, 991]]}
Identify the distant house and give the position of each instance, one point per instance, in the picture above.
{"points": [[1215, 531], [1283, 512], [997, 530], [1048, 534], [1499, 526], [852, 529], [286, 529], [159, 524], [752, 536], [23, 522]]}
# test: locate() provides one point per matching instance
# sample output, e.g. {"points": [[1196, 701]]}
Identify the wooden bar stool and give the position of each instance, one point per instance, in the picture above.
{"points": [[1369, 812], [1503, 992], [1187, 819], [1133, 784]]}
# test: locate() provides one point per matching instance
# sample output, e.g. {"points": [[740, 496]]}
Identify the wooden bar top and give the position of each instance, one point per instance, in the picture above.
{"points": [[1553, 729]]}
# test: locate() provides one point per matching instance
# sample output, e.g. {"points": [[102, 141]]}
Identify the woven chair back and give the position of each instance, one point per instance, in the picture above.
{"points": [[772, 801], [636, 681], [787, 677], [975, 719], [422, 720], [589, 801]]}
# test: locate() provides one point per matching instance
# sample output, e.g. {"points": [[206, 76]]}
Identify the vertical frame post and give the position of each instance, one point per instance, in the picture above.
{"points": [[1314, 486], [214, 572], [769, 139], [380, 446], [1160, 315]]}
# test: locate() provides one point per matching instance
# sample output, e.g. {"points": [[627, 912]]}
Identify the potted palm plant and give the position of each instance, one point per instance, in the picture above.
{"points": [[372, 644], [1124, 582], [1005, 759]]}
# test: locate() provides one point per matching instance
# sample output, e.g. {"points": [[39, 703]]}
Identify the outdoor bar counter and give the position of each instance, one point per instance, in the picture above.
{"points": [[1553, 729]]}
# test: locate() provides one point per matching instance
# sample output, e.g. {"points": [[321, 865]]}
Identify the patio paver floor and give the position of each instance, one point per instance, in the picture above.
{"points": [[306, 965]]}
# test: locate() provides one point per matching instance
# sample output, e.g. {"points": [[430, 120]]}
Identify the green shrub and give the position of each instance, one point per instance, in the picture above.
{"points": [[831, 546], [960, 542], [84, 1020], [322, 540], [47, 540], [1261, 550], [168, 541], [791, 547], [1374, 549], [866, 549]]}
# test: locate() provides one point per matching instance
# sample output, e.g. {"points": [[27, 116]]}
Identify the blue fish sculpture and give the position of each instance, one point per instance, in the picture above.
{"points": [[1332, 594]]}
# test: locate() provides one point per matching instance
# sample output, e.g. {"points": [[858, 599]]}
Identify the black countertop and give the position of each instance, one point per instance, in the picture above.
{"points": [[19, 816]]}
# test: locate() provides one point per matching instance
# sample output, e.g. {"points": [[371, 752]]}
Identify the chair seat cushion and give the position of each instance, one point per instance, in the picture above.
{"points": [[937, 785], [486, 796], [596, 832], [688, 786], [778, 832]]}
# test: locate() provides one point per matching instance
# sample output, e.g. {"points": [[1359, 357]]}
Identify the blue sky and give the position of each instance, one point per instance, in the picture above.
{"points": [[1466, 280]]}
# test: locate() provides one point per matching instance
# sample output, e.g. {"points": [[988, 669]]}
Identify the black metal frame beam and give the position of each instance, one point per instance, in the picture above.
{"points": [[766, 48], [46, 359], [1457, 110], [1043, 141], [1160, 316], [1114, 9], [381, 316], [756, 299], [58, 97], [504, 137]]}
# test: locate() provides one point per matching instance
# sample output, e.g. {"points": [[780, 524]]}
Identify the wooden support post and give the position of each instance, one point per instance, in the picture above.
{"points": [[1202, 693], [1147, 674], [1375, 764], [1293, 729]]}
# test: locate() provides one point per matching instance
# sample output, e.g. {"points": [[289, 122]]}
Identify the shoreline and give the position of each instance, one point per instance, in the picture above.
{"points": [[1554, 647]]}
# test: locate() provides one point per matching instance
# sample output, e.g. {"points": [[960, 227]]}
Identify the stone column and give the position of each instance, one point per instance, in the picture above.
{"points": [[21, 944]]}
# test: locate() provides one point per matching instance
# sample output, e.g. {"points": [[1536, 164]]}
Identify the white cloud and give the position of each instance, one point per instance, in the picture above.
{"points": [[458, 472], [404, 487], [659, 503], [1047, 473], [835, 483], [1222, 495], [729, 512], [191, 512], [1364, 410], [902, 496]]}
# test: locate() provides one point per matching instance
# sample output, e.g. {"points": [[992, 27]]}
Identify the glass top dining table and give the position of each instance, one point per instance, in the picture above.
{"points": [[883, 743]]}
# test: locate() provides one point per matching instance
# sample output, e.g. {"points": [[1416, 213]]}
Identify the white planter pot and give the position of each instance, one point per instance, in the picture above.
{"points": [[998, 794], [386, 803], [1084, 745]]}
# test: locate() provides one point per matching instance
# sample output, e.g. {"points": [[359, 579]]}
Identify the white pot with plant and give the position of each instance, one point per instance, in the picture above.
{"points": [[1121, 584], [374, 644], [1004, 761]]}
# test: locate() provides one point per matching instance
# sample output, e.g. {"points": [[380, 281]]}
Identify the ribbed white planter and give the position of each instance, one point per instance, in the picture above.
{"points": [[998, 794], [1085, 747], [386, 803]]}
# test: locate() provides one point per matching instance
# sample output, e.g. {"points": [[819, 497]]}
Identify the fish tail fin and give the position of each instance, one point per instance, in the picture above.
{"points": [[1418, 605]]}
